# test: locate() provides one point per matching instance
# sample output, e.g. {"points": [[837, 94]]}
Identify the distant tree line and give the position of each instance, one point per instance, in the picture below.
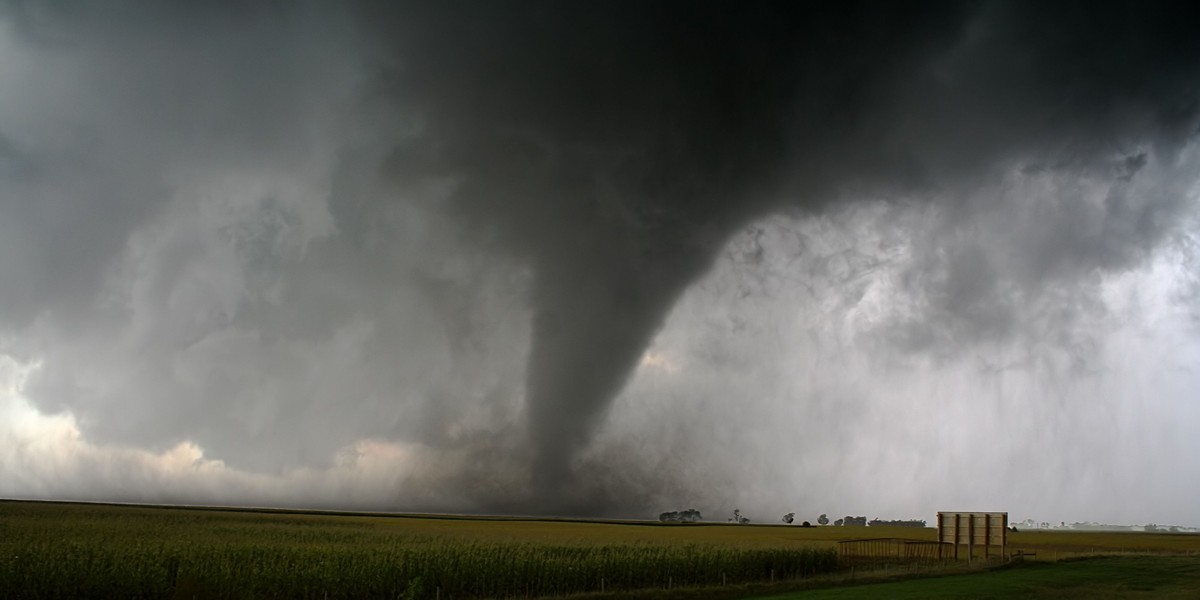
{"points": [[877, 522], [690, 515]]}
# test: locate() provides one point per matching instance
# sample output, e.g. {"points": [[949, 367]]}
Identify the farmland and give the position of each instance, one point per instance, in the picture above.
{"points": [[55, 550], [1119, 576], [51, 550]]}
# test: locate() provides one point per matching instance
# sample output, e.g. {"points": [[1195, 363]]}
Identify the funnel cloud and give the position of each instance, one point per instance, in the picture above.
{"points": [[558, 258]]}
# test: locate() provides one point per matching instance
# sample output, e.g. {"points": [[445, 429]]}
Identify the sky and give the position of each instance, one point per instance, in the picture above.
{"points": [[606, 259]]}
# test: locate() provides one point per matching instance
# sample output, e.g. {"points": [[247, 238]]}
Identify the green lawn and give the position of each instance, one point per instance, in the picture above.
{"points": [[1107, 577]]}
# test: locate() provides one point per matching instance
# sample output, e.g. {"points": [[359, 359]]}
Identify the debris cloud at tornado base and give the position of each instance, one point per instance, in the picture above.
{"points": [[463, 230]]}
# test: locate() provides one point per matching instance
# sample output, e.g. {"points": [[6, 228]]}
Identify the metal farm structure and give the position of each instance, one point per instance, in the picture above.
{"points": [[974, 531]]}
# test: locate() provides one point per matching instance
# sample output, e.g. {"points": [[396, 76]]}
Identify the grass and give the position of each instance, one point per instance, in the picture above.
{"points": [[1126, 576], [1066, 544]]}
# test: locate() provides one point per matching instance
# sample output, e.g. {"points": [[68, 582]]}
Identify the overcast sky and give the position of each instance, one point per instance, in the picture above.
{"points": [[608, 259]]}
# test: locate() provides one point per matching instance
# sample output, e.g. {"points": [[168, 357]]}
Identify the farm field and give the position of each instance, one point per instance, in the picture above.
{"points": [[1100, 577], [52, 550], [56, 550]]}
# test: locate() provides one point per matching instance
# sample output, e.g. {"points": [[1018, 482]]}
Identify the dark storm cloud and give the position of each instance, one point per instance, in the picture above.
{"points": [[279, 230], [617, 147]]}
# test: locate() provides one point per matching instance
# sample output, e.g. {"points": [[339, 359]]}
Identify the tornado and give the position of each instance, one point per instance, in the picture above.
{"points": [[615, 147]]}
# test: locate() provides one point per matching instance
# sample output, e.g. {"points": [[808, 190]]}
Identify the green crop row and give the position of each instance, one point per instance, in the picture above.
{"points": [[56, 552]]}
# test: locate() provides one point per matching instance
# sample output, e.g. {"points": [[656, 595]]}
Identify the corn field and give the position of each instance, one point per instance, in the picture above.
{"points": [[57, 551]]}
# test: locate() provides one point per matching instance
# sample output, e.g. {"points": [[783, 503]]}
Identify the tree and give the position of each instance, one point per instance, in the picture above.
{"points": [[838, 522], [788, 518], [738, 518], [823, 519], [690, 515]]}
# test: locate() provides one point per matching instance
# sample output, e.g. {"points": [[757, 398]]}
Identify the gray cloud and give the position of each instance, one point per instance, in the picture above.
{"points": [[620, 173], [277, 231]]}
